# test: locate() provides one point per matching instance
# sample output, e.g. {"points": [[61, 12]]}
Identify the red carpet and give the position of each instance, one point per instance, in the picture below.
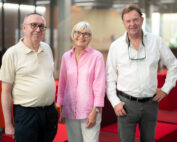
{"points": [[61, 133], [6, 138], [165, 132]]}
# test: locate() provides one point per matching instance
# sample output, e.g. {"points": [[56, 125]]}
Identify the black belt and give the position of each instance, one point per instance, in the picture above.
{"points": [[37, 108], [142, 100], [44, 107]]}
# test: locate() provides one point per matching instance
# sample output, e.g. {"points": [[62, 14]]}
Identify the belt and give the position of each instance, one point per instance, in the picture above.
{"points": [[44, 107], [37, 108], [131, 98]]}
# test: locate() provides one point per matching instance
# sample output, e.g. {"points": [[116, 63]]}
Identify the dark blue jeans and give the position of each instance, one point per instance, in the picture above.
{"points": [[144, 114], [32, 124]]}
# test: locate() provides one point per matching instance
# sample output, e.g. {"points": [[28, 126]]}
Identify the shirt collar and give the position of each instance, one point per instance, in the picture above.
{"points": [[27, 49], [128, 40], [87, 49]]}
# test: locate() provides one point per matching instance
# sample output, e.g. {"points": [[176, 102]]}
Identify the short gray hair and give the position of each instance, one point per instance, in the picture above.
{"points": [[28, 15], [80, 26]]}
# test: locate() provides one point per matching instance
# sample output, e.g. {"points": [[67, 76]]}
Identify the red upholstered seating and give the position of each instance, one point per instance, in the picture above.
{"points": [[169, 102], [167, 106], [1, 113], [6, 138], [56, 83], [167, 116]]}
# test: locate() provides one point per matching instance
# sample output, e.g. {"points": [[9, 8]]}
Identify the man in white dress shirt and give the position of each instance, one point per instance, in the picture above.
{"points": [[132, 66]]}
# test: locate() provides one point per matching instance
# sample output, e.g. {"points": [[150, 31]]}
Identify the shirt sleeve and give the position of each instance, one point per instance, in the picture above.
{"points": [[7, 72], [62, 82], [112, 75], [170, 61], [99, 82]]}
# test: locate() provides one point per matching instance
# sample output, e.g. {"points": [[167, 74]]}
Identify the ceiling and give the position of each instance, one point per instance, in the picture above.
{"points": [[162, 6]]}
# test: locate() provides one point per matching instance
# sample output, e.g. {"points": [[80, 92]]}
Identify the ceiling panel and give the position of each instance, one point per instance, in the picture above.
{"points": [[162, 6]]}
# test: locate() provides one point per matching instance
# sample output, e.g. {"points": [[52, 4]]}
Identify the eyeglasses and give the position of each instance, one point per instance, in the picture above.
{"points": [[34, 26], [132, 57], [85, 34]]}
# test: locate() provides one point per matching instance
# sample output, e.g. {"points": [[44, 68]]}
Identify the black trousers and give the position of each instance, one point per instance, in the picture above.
{"points": [[37, 124]]}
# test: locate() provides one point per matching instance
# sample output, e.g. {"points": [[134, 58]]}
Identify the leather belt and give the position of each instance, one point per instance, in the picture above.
{"points": [[44, 107], [37, 108], [131, 98]]}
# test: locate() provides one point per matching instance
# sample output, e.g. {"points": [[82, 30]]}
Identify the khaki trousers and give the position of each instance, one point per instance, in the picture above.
{"points": [[77, 131]]}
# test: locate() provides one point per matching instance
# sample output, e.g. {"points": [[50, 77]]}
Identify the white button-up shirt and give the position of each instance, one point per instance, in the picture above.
{"points": [[138, 78]]}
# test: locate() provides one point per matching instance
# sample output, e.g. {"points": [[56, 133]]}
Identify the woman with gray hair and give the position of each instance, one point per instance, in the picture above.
{"points": [[82, 87]]}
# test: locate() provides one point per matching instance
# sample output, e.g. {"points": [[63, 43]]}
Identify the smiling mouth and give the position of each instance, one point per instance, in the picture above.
{"points": [[82, 41], [37, 34], [133, 28]]}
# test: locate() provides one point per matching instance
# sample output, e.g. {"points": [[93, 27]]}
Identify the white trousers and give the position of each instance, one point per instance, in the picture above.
{"points": [[77, 131]]}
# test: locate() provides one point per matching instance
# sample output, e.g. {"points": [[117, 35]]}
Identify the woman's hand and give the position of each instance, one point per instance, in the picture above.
{"points": [[91, 120], [61, 119]]}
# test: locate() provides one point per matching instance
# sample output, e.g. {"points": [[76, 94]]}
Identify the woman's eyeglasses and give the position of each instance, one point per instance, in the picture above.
{"points": [[34, 26], [84, 34]]}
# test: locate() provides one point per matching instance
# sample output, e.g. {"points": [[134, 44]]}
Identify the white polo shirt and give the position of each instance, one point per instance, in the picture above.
{"points": [[31, 74]]}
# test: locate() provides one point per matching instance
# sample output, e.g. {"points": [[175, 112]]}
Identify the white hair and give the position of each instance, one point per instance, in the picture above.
{"points": [[80, 26]]}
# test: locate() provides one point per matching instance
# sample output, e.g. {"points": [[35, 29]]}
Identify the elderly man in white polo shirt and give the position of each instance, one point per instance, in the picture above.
{"points": [[28, 83]]}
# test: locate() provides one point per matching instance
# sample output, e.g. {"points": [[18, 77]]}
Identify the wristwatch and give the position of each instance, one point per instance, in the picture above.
{"points": [[96, 109]]}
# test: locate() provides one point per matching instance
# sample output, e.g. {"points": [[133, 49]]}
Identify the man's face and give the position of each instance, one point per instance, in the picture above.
{"points": [[34, 28], [133, 23]]}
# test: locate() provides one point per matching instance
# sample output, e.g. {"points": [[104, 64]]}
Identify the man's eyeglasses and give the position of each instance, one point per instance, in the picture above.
{"points": [[133, 57], [34, 26], [85, 34]]}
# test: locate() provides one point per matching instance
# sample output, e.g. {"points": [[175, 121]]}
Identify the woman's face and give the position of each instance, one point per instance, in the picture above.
{"points": [[81, 38]]}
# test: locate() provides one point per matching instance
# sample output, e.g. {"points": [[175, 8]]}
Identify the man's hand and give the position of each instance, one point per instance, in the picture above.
{"points": [[9, 130], [6, 100], [91, 120], [159, 95], [119, 109]]}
